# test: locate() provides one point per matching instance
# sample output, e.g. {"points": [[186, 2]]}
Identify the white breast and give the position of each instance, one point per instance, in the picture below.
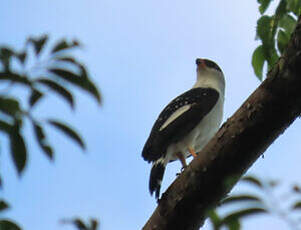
{"points": [[209, 125]]}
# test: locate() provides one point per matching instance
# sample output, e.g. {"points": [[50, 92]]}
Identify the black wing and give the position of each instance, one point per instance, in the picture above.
{"points": [[201, 101]]}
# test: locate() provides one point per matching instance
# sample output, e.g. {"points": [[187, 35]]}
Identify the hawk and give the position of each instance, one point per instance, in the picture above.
{"points": [[187, 123]]}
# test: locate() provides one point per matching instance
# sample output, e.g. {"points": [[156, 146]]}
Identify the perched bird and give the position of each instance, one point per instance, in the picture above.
{"points": [[187, 123]]}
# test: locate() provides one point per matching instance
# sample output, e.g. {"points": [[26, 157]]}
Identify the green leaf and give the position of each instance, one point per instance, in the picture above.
{"points": [[68, 131], [89, 85], [8, 225], [281, 9], [81, 80], [35, 97], [297, 205], [15, 78], [266, 29], [243, 213], [68, 76], [234, 224], [3, 205], [272, 58], [80, 224], [5, 127], [67, 59], [21, 57], [18, 150], [258, 61], [296, 188], [94, 224], [60, 46], [58, 89], [63, 45], [214, 218], [9, 106], [294, 6], [282, 40], [252, 180], [41, 138], [38, 43], [264, 4], [5, 55], [238, 198], [288, 23]]}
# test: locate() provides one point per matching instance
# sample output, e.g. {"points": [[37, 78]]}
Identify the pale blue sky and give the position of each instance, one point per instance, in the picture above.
{"points": [[141, 55]]}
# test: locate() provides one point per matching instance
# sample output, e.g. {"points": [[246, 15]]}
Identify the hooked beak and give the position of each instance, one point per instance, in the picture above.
{"points": [[200, 63]]}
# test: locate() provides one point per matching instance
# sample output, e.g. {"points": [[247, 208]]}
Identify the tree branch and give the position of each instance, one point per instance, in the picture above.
{"points": [[265, 115]]}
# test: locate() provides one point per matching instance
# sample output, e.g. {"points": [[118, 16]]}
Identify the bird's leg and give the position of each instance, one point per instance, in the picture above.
{"points": [[192, 152], [183, 161]]}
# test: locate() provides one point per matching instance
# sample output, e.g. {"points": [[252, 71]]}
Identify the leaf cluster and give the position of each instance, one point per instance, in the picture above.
{"points": [[57, 74], [274, 32], [261, 199], [81, 225], [39, 71], [6, 224]]}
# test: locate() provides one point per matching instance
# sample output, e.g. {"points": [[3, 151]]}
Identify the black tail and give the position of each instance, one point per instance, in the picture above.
{"points": [[156, 177]]}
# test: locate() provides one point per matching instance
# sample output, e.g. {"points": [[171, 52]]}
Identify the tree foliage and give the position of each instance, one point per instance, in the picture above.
{"points": [[262, 198], [81, 225], [40, 71], [274, 32]]}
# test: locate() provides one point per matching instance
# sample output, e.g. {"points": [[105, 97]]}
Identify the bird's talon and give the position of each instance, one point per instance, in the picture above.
{"points": [[182, 169]]}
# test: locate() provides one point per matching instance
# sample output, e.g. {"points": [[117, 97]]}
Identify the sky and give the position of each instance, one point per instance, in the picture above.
{"points": [[141, 54]]}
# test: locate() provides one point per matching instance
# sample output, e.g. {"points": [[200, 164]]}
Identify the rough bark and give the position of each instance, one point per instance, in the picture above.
{"points": [[274, 105]]}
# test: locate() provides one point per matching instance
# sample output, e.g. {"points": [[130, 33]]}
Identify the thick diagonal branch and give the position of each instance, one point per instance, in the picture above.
{"points": [[274, 105]]}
